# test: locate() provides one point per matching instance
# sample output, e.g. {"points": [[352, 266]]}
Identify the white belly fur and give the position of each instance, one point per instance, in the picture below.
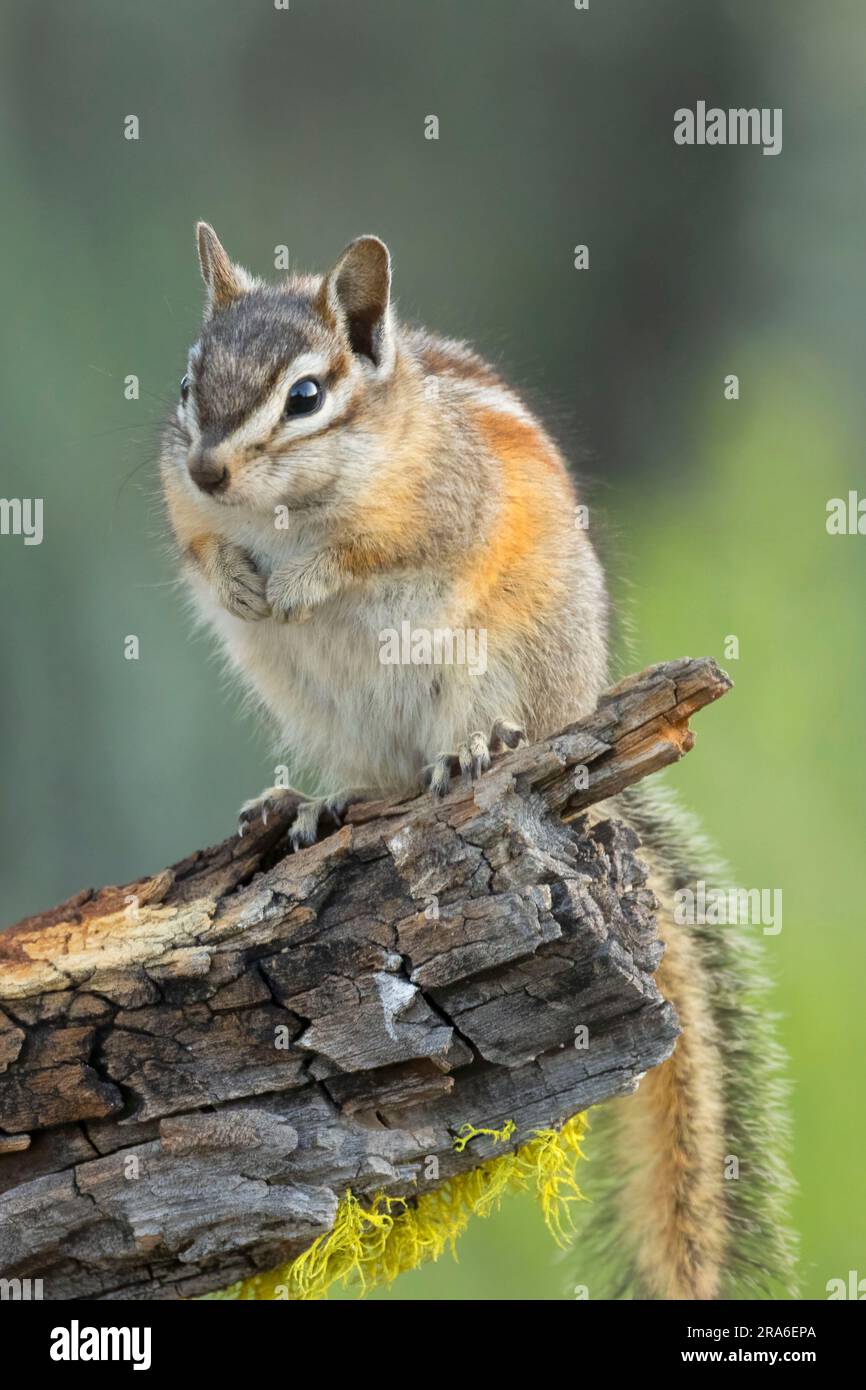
{"points": [[344, 718]]}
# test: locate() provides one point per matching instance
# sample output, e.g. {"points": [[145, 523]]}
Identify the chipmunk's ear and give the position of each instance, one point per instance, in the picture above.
{"points": [[357, 295], [224, 280]]}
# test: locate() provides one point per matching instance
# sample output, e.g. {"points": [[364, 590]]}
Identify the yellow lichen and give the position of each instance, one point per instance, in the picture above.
{"points": [[372, 1245], [468, 1132]]}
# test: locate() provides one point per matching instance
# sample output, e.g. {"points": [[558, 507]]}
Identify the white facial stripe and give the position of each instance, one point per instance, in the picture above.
{"points": [[301, 426], [261, 423]]}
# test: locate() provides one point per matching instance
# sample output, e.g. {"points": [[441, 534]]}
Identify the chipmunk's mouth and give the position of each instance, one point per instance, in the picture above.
{"points": [[221, 497]]}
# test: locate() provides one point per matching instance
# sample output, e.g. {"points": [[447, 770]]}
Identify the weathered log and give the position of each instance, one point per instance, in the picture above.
{"points": [[196, 1066]]}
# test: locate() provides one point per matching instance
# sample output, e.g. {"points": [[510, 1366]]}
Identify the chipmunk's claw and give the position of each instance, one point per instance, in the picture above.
{"points": [[275, 803], [305, 827], [436, 776], [504, 734], [308, 818], [321, 816], [472, 757]]}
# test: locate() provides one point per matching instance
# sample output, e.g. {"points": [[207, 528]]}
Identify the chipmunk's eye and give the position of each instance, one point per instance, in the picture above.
{"points": [[304, 397], [184, 386]]}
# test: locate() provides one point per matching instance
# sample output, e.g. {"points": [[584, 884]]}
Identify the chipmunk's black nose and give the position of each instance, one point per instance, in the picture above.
{"points": [[208, 472]]}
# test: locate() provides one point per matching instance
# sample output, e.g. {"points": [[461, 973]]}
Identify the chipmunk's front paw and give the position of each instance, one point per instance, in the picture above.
{"points": [[285, 600], [239, 587], [294, 593], [472, 757]]}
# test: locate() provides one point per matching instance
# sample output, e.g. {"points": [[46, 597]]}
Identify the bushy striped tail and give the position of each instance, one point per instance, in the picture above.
{"points": [[690, 1186]]}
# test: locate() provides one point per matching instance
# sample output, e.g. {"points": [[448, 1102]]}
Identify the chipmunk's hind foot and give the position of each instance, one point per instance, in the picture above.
{"points": [[320, 816], [472, 757], [308, 818], [274, 803]]}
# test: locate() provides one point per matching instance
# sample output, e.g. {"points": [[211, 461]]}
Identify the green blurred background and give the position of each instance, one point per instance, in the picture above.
{"points": [[306, 128]]}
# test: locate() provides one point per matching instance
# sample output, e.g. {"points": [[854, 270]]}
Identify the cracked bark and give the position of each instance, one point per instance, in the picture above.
{"points": [[194, 1067]]}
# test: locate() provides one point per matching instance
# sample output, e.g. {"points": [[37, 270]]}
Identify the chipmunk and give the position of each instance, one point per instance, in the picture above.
{"points": [[330, 474]]}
